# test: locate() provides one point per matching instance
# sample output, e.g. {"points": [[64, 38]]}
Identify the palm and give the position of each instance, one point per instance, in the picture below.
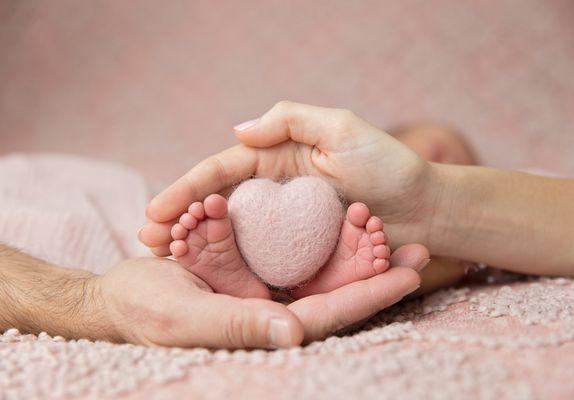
{"points": [[155, 301], [147, 294]]}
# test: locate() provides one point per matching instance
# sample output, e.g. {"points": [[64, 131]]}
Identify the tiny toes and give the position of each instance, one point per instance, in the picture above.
{"points": [[378, 237], [215, 206], [196, 209], [381, 251], [178, 248], [358, 214], [374, 224], [178, 232], [381, 265], [188, 221]]}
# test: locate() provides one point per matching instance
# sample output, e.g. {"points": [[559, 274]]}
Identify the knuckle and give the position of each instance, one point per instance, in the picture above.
{"points": [[282, 105], [346, 118], [215, 164], [374, 299], [160, 321], [235, 331], [336, 322]]}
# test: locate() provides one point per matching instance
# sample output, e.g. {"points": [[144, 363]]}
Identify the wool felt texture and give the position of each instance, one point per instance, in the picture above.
{"points": [[286, 232]]}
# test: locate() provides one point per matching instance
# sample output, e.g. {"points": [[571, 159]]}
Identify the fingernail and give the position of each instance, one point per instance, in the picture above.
{"points": [[279, 333], [246, 125], [422, 265]]}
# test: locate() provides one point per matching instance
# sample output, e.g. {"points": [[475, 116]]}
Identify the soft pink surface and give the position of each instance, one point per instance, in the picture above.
{"points": [[286, 232], [491, 342], [159, 85], [72, 212]]}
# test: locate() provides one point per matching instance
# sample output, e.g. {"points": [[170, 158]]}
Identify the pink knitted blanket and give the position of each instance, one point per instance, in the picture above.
{"points": [[497, 341]]}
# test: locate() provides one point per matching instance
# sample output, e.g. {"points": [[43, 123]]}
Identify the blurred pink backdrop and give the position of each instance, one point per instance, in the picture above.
{"points": [[158, 85]]}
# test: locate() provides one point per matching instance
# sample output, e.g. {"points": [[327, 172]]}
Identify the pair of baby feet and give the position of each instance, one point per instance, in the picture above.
{"points": [[204, 243]]}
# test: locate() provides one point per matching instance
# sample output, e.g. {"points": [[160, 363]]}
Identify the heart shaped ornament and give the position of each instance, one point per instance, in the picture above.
{"points": [[286, 232]]}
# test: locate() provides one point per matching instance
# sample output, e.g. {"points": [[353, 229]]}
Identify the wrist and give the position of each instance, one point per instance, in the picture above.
{"points": [[73, 307], [36, 296], [445, 209], [92, 318]]}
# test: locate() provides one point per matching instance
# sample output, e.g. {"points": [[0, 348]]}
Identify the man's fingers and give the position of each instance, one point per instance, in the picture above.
{"points": [[311, 125], [221, 321], [323, 314], [217, 172]]}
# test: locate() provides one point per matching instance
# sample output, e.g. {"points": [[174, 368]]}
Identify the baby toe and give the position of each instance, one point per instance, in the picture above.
{"points": [[178, 231], [381, 251], [374, 224], [381, 265], [188, 221], [358, 214], [178, 248], [215, 206], [196, 209], [378, 237]]}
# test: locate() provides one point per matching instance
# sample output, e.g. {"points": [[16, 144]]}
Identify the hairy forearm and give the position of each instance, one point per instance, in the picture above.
{"points": [[36, 296], [511, 220]]}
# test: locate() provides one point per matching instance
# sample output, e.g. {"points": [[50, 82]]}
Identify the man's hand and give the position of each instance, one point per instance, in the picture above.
{"points": [[155, 301], [143, 301]]}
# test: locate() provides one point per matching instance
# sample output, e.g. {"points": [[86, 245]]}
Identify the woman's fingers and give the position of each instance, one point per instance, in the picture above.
{"points": [[209, 176], [323, 314], [221, 321], [156, 234], [327, 128]]}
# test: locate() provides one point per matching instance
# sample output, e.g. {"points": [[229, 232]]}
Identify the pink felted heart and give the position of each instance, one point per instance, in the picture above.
{"points": [[286, 232]]}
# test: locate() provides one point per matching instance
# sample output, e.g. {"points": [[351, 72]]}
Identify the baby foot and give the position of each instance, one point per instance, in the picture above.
{"points": [[204, 244], [360, 254]]}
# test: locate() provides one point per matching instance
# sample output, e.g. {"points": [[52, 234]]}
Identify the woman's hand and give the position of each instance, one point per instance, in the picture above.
{"points": [[293, 139], [462, 212]]}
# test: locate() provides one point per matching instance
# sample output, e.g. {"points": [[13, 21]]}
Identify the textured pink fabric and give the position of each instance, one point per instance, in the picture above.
{"points": [[72, 212], [482, 342], [286, 232]]}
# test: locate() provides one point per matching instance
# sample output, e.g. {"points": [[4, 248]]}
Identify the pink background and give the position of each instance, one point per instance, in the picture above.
{"points": [[159, 87]]}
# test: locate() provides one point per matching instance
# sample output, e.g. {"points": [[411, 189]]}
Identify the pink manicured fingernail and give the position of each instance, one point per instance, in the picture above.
{"points": [[246, 125], [422, 265]]}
